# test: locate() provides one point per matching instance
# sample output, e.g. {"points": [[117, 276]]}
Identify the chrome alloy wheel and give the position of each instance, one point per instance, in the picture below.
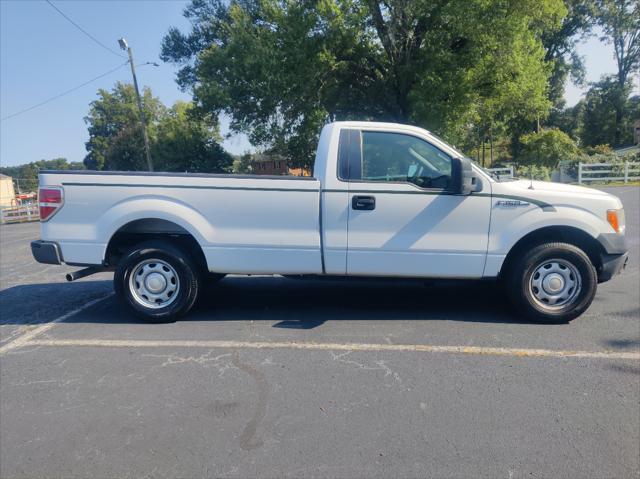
{"points": [[555, 284], [154, 283]]}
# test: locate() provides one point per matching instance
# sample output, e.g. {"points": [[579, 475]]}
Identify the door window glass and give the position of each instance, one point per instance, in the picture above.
{"points": [[397, 157]]}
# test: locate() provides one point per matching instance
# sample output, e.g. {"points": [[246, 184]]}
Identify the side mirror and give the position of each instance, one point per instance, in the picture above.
{"points": [[462, 177]]}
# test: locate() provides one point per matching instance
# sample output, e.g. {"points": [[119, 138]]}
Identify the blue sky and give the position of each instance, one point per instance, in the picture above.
{"points": [[42, 55]]}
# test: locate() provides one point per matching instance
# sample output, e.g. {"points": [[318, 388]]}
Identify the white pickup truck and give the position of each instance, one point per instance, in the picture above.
{"points": [[386, 200]]}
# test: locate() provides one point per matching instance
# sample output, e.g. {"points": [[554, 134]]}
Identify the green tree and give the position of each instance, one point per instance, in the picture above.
{"points": [[187, 143], [547, 148], [570, 120], [26, 175], [604, 119], [560, 47], [115, 136], [599, 150], [620, 21], [242, 164], [282, 69], [599, 117], [180, 139]]}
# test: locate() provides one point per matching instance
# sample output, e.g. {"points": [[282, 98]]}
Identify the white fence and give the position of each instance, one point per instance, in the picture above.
{"points": [[504, 172], [588, 172], [20, 214], [627, 171]]}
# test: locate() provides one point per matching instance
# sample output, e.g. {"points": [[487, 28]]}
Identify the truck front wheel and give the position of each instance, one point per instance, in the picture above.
{"points": [[157, 281], [552, 283]]}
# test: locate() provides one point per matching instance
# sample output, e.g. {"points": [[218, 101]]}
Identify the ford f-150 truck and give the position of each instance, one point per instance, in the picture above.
{"points": [[386, 200]]}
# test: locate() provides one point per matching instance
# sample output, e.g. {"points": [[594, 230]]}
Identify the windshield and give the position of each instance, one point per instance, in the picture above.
{"points": [[491, 174], [462, 155]]}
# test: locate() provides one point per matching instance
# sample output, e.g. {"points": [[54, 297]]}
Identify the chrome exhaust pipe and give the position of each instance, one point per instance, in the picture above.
{"points": [[82, 273]]}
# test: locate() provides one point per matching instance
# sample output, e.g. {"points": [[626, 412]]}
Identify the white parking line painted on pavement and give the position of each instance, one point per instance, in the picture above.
{"points": [[29, 335], [422, 348]]}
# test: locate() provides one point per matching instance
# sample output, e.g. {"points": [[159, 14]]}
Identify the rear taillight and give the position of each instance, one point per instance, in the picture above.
{"points": [[50, 200]]}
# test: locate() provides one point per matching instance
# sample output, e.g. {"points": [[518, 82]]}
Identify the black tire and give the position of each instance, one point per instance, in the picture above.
{"points": [[526, 297], [181, 269]]}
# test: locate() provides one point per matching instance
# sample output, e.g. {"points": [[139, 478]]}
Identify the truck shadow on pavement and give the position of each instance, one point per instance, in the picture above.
{"points": [[289, 303], [308, 303]]}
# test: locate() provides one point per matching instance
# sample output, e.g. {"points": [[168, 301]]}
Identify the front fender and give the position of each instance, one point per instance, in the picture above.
{"points": [[507, 227]]}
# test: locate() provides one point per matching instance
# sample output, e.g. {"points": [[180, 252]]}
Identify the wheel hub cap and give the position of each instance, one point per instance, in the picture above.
{"points": [[555, 284], [154, 283]]}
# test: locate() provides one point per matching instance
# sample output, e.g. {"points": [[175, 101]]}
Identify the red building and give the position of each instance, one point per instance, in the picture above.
{"points": [[275, 165], [269, 166]]}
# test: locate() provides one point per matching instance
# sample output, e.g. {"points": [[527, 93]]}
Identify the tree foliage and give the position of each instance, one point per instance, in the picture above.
{"points": [[242, 164], [115, 136], [547, 148], [599, 115], [570, 120], [27, 175], [594, 120], [620, 20], [180, 140], [560, 47], [281, 69], [187, 143]]}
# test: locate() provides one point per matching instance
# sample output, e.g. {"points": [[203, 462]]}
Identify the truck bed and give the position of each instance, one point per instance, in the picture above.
{"points": [[244, 223]]}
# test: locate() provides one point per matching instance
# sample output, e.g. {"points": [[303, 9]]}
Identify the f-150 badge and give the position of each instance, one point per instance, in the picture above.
{"points": [[511, 203]]}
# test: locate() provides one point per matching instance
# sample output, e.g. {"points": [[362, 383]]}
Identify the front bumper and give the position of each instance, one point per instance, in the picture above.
{"points": [[612, 264], [46, 252], [613, 243]]}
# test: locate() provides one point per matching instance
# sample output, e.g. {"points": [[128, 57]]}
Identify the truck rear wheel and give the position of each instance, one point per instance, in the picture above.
{"points": [[552, 283], [157, 281]]}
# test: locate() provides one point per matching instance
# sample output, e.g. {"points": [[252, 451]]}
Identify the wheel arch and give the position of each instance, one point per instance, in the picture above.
{"points": [[145, 217], [144, 229], [557, 233]]}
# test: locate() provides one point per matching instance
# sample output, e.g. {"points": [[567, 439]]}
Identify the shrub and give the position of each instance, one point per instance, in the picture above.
{"points": [[536, 172], [598, 150], [547, 148]]}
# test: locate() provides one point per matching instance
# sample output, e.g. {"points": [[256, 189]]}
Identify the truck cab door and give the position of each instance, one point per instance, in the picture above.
{"points": [[403, 218]]}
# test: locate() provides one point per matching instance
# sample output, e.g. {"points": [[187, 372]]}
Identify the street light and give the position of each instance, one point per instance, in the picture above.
{"points": [[124, 46]]}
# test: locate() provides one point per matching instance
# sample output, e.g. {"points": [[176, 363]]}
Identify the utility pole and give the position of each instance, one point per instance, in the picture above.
{"points": [[123, 45]]}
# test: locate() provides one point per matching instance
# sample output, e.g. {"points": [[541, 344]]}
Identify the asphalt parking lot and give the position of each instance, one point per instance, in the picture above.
{"points": [[276, 377]]}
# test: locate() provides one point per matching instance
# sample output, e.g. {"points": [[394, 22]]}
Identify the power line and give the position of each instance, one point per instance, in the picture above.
{"points": [[64, 93], [83, 30]]}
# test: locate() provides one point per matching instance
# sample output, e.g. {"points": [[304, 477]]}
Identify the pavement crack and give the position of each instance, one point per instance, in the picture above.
{"points": [[380, 365], [204, 360]]}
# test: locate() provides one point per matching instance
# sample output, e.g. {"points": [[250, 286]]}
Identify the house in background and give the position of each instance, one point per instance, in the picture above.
{"points": [[7, 192], [272, 164], [269, 165], [635, 148], [628, 150]]}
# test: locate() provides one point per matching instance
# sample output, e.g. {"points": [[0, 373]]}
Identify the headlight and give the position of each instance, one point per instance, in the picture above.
{"points": [[616, 220]]}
